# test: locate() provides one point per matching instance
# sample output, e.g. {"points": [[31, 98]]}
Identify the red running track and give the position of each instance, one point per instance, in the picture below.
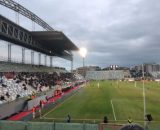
{"points": [[20, 115]]}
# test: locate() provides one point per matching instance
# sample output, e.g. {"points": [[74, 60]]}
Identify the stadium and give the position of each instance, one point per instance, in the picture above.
{"points": [[41, 96]]}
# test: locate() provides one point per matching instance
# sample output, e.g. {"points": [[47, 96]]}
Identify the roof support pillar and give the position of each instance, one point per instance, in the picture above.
{"points": [[23, 55], [51, 58], [32, 57], [9, 52], [45, 60], [72, 65], [39, 58]]}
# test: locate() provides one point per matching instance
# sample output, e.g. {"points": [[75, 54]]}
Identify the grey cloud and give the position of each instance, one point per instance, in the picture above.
{"points": [[122, 32]]}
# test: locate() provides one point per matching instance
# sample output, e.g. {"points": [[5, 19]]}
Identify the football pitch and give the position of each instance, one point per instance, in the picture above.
{"points": [[117, 100]]}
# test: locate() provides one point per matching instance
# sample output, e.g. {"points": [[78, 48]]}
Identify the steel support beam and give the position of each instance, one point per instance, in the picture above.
{"points": [[9, 31], [32, 57], [45, 60], [17, 14], [9, 52], [39, 58], [71, 65], [23, 55], [51, 58], [25, 12]]}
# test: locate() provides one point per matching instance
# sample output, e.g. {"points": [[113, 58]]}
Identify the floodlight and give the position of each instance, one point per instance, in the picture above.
{"points": [[83, 52]]}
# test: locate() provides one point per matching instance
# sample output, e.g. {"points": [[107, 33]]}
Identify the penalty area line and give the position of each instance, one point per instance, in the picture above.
{"points": [[113, 111]]}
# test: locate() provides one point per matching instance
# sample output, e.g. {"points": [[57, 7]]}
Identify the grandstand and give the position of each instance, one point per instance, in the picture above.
{"points": [[155, 74], [19, 67], [22, 82], [107, 75]]}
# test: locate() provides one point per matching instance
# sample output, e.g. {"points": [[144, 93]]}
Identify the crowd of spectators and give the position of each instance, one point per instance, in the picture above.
{"points": [[30, 83], [44, 81]]}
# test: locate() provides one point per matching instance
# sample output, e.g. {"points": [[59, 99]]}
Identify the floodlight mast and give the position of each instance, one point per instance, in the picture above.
{"points": [[83, 63], [83, 53]]}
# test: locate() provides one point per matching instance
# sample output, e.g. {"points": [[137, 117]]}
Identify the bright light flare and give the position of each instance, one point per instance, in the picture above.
{"points": [[83, 52]]}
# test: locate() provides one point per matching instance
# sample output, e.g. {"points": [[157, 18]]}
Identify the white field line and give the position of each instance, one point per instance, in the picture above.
{"points": [[113, 111], [58, 106]]}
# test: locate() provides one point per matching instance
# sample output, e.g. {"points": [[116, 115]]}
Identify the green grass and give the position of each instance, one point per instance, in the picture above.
{"points": [[92, 102]]}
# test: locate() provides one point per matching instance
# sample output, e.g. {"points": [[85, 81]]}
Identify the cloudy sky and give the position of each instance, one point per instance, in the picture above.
{"points": [[122, 32]]}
